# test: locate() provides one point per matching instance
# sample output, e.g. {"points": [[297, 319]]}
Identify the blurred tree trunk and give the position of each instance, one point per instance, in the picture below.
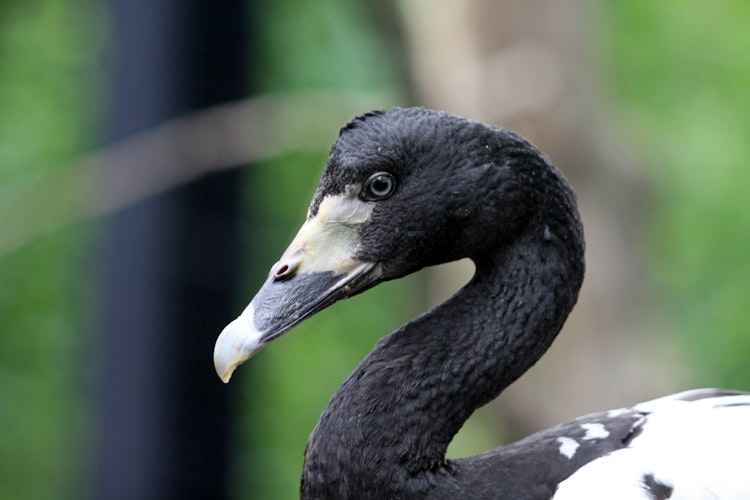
{"points": [[170, 262], [527, 66]]}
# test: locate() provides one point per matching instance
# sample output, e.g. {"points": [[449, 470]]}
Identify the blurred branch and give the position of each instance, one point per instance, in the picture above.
{"points": [[174, 153]]}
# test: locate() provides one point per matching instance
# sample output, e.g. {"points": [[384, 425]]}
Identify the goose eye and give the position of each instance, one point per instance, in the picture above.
{"points": [[378, 187]]}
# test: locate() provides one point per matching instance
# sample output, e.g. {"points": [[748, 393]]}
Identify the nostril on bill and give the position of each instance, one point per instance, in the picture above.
{"points": [[285, 270]]}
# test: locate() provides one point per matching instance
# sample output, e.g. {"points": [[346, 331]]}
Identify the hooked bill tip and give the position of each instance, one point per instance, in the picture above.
{"points": [[236, 344]]}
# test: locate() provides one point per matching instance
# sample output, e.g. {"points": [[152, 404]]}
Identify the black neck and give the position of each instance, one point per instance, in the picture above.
{"points": [[390, 423]]}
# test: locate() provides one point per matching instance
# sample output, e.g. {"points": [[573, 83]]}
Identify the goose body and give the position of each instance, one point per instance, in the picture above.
{"points": [[409, 188]]}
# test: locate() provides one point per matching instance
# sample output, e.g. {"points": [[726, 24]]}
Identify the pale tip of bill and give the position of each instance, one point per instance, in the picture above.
{"points": [[236, 344]]}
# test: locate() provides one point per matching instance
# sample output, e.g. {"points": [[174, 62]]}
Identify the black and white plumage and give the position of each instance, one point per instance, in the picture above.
{"points": [[409, 188]]}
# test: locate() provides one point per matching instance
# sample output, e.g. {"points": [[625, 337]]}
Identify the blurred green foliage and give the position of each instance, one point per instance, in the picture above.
{"points": [[48, 52], [678, 75], [333, 45]]}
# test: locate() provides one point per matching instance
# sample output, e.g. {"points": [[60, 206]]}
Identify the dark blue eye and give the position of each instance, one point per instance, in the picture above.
{"points": [[378, 187]]}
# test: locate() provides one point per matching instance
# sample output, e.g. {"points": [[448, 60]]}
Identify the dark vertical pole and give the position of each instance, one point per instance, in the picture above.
{"points": [[170, 263]]}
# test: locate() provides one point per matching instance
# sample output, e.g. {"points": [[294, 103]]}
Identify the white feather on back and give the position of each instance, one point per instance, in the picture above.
{"points": [[699, 448]]}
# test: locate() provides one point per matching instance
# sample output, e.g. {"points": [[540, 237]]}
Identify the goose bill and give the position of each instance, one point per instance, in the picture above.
{"points": [[316, 270]]}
